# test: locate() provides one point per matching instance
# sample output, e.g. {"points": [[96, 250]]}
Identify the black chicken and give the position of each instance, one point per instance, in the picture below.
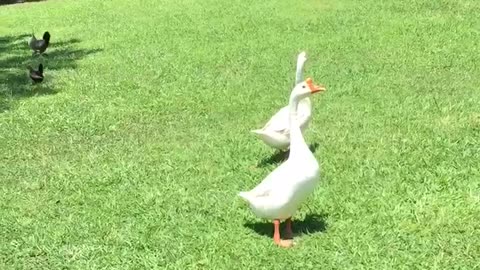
{"points": [[36, 75], [39, 45]]}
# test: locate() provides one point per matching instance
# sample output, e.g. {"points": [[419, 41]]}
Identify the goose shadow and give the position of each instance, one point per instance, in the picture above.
{"points": [[281, 156], [312, 223]]}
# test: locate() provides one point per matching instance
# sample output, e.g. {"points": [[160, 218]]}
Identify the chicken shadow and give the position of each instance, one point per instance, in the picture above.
{"points": [[312, 223], [281, 156], [16, 56]]}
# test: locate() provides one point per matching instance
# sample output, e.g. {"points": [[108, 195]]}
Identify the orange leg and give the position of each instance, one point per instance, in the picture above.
{"points": [[276, 232], [276, 236]]}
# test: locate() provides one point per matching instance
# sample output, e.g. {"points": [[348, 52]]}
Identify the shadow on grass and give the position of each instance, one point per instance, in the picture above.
{"points": [[15, 56], [311, 224], [281, 156], [10, 2]]}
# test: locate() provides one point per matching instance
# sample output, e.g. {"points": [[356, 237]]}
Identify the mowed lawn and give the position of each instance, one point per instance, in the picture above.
{"points": [[131, 153]]}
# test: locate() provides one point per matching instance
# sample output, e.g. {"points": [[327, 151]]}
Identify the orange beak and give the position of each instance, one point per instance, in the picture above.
{"points": [[314, 88]]}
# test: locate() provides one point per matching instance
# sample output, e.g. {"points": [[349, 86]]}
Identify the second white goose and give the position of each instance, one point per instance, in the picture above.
{"points": [[276, 133]]}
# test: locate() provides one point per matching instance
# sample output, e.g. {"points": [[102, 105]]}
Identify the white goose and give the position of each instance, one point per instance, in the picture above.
{"points": [[279, 195], [276, 133]]}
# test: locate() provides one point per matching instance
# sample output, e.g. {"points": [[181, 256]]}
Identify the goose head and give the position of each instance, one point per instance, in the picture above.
{"points": [[305, 89]]}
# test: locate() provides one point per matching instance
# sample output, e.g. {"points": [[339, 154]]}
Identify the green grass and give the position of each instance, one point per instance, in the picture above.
{"points": [[131, 153]]}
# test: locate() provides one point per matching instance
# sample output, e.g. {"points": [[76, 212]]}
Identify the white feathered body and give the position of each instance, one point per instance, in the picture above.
{"points": [[276, 133], [280, 194]]}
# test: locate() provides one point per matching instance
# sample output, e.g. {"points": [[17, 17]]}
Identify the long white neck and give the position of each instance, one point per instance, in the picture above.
{"points": [[300, 63], [302, 58], [296, 136]]}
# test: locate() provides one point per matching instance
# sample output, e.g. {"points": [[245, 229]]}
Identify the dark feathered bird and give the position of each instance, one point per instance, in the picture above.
{"points": [[39, 45], [36, 75]]}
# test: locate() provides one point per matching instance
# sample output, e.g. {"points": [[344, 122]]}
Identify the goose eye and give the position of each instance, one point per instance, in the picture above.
{"points": [[303, 86]]}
